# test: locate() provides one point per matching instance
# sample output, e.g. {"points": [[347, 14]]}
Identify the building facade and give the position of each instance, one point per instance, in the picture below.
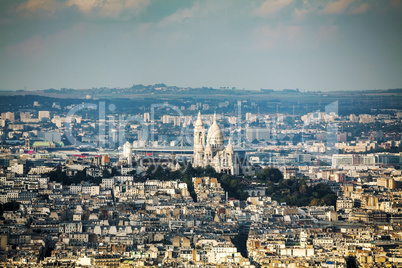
{"points": [[211, 151]]}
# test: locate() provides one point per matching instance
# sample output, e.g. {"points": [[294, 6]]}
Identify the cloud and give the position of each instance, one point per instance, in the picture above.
{"points": [[294, 37], [301, 13], [305, 8], [268, 37], [109, 8], [360, 9], [32, 6], [106, 8], [84, 6], [396, 3], [136, 4], [270, 7], [39, 46], [114, 8], [31, 47], [326, 32], [337, 7], [179, 16]]}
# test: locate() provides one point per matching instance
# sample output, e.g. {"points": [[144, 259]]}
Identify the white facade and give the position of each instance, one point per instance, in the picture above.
{"points": [[43, 114], [17, 168], [213, 153], [90, 189], [107, 183], [75, 189], [3, 198], [127, 152]]}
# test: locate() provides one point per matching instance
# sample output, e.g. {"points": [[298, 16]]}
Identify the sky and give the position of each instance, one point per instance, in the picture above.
{"points": [[273, 44]]}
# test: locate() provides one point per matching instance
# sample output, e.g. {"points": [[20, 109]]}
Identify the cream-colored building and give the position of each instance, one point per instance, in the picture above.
{"points": [[386, 182], [213, 153]]}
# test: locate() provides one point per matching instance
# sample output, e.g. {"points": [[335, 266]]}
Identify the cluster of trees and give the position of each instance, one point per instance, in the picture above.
{"points": [[233, 186], [229, 183], [296, 192], [59, 175], [162, 174], [293, 191], [269, 174], [9, 206]]}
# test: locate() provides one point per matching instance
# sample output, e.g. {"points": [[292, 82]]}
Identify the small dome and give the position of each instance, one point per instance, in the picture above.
{"points": [[229, 147]]}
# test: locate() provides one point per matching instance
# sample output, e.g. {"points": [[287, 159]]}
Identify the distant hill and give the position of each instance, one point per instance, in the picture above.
{"points": [[163, 89], [138, 98]]}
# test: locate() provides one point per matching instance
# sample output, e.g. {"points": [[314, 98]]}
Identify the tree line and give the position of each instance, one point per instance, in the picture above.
{"points": [[296, 191], [231, 184]]}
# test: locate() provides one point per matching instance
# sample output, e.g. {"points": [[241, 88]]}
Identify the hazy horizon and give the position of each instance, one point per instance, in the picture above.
{"points": [[275, 44], [215, 88]]}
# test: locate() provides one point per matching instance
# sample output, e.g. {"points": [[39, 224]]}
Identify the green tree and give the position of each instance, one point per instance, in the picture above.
{"points": [[315, 202], [209, 171], [58, 175], [115, 172], [302, 189], [150, 170], [369, 178], [106, 173], [11, 206], [270, 174], [296, 192]]}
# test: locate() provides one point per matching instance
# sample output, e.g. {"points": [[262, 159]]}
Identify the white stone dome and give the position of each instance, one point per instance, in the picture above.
{"points": [[229, 147], [215, 137]]}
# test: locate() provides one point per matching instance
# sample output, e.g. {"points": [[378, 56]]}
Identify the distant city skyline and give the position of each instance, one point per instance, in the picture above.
{"points": [[272, 44]]}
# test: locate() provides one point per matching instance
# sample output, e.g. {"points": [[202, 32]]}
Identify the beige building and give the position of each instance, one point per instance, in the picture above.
{"points": [[344, 203], [213, 153], [386, 182]]}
